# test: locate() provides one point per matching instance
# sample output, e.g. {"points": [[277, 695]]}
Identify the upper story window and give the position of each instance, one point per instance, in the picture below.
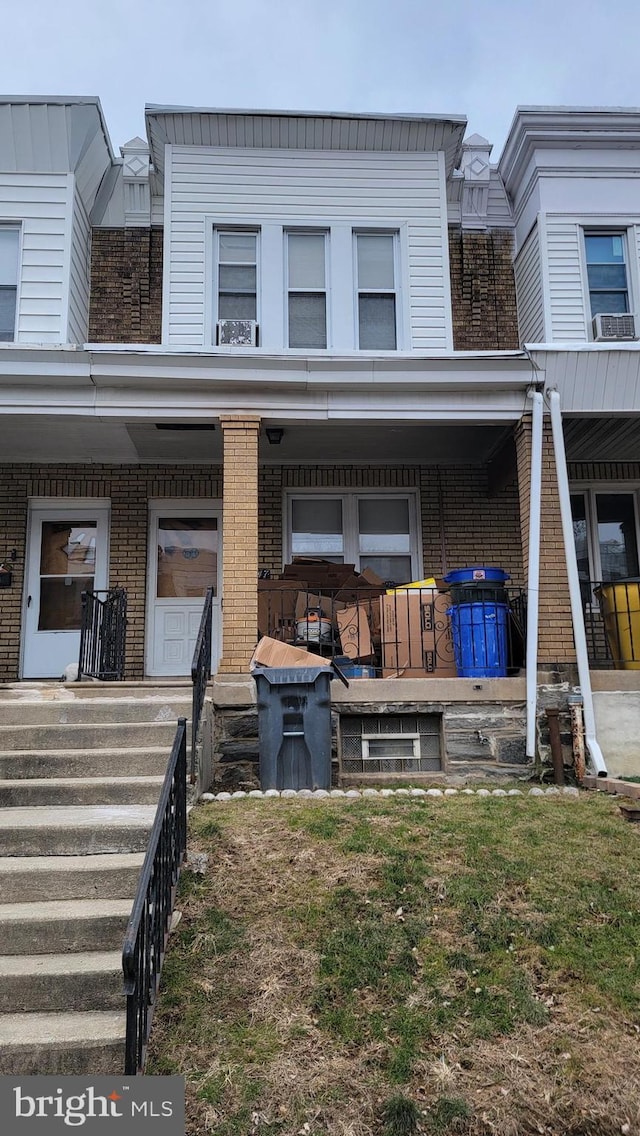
{"points": [[9, 244], [237, 286], [607, 274], [376, 291], [306, 289]]}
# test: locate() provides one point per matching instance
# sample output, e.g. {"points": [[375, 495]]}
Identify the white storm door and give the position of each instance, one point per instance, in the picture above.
{"points": [[67, 556], [184, 560]]}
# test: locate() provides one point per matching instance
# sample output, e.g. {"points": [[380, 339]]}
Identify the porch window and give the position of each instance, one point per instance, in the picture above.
{"points": [[605, 528], [367, 529]]}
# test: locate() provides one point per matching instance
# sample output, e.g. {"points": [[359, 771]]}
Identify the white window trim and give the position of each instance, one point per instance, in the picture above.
{"points": [[16, 227], [589, 491], [315, 232], [249, 229], [608, 227], [370, 230], [350, 532]]}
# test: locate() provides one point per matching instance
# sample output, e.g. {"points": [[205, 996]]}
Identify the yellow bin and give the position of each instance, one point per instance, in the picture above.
{"points": [[621, 611]]}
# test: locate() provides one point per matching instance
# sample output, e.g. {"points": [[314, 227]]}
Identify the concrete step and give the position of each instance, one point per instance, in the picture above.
{"points": [[52, 983], [75, 830], [33, 879], [63, 925], [29, 792], [120, 762], [26, 712], [106, 735], [81, 1043], [60, 691]]}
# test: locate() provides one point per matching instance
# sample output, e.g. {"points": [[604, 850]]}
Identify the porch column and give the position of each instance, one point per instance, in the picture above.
{"points": [[239, 541], [555, 637]]}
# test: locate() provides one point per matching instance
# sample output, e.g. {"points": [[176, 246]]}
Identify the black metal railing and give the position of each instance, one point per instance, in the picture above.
{"points": [[612, 623], [200, 673], [103, 630], [148, 928], [406, 633]]}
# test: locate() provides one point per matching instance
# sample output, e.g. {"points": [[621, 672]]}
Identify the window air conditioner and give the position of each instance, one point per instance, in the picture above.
{"points": [[237, 333], [606, 326]]}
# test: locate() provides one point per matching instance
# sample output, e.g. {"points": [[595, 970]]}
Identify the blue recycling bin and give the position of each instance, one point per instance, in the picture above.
{"points": [[479, 632]]}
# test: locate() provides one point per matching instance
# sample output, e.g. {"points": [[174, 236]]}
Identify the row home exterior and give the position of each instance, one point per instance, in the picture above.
{"points": [[407, 302]]}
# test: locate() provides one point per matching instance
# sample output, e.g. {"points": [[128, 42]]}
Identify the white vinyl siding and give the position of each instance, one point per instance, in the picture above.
{"points": [[567, 293], [528, 274], [79, 275], [39, 204], [339, 190]]}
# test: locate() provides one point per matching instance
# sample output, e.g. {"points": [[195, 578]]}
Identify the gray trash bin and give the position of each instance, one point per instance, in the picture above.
{"points": [[294, 727]]}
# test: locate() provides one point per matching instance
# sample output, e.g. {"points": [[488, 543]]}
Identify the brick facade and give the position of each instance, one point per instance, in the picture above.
{"points": [[483, 290], [129, 488], [126, 286], [462, 522], [239, 542], [555, 638]]}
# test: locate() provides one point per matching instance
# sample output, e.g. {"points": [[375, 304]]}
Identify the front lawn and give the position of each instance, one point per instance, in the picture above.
{"points": [[407, 965]]}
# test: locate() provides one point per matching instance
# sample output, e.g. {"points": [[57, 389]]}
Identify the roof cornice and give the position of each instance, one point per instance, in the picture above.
{"points": [[573, 128]]}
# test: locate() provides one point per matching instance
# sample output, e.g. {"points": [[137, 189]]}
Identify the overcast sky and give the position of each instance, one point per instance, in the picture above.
{"points": [[475, 57]]}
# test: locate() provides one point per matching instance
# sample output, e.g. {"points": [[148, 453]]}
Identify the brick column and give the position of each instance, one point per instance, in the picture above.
{"points": [[239, 542], [555, 642]]}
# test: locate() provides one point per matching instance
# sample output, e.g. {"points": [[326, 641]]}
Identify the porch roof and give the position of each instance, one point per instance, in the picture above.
{"points": [[114, 381], [592, 378]]}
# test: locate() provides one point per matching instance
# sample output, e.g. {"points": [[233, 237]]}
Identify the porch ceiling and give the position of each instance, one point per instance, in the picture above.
{"points": [[602, 439], [36, 438]]}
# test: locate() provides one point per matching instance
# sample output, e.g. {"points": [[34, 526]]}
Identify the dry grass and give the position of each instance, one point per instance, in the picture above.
{"points": [[384, 968]]}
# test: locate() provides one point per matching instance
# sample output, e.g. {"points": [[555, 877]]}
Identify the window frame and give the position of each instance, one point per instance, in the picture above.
{"points": [[16, 228], [369, 231], [589, 492], [218, 231], [311, 231], [350, 524], [621, 231]]}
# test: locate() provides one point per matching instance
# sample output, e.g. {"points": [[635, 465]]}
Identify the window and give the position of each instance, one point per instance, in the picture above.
{"points": [[307, 298], [237, 262], [9, 243], [376, 289], [605, 529], [366, 529], [607, 273]]}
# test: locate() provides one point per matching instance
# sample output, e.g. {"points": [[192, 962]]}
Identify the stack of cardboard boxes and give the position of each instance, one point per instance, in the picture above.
{"points": [[406, 631]]}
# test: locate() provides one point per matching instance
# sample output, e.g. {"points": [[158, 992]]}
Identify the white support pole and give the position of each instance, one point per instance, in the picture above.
{"points": [[533, 570], [577, 613]]}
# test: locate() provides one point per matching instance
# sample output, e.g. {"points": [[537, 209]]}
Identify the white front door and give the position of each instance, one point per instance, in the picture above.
{"points": [[67, 556], [184, 560]]}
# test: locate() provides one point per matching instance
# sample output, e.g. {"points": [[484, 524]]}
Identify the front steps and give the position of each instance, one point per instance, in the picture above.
{"points": [[81, 767]]}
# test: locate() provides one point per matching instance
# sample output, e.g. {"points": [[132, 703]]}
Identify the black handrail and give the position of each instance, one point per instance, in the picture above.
{"points": [[148, 927], [200, 673], [103, 629]]}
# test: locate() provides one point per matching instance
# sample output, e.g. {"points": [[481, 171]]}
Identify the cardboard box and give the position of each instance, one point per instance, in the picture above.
{"points": [[355, 636], [272, 653], [416, 635], [277, 607]]}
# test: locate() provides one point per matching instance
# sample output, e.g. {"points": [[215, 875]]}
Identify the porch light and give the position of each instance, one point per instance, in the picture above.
{"points": [[274, 434]]}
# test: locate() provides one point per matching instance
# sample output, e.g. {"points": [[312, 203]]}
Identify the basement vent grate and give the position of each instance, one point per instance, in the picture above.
{"points": [[390, 743]]}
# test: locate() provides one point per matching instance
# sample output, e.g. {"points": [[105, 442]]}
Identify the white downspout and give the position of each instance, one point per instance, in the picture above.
{"points": [[577, 614], [533, 570]]}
